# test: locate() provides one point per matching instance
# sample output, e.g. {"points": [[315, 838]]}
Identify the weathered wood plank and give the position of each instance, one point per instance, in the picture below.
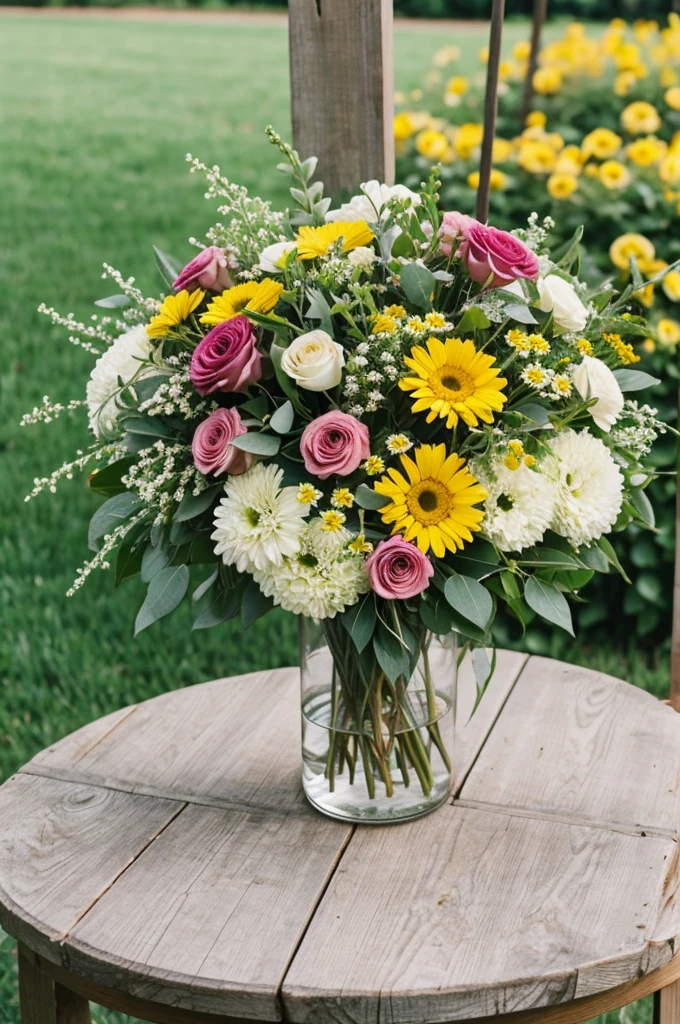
{"points": [[470, 913], [209, 916], [43, 1000], [341, 70], [74, 746], [577, 742], [61, 847]]}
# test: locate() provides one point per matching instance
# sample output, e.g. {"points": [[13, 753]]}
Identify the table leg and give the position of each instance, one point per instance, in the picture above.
{"points": [[45, 1001], [669, 1004]]}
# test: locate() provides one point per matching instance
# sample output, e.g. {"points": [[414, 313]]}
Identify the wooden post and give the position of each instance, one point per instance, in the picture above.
{"points": [[45, 1001], [540, 12], [342, 88], [490, 109]]}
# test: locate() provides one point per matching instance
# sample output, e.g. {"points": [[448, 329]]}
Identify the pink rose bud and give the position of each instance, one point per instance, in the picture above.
{"points": [[334, 443], [227, 358], [210, 270], [452, 231], [495, 258], [212, 448], [398, 569]]}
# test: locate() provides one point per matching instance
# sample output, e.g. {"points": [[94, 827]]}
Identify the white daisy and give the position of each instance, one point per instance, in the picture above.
{"points": [[123, 360], [590, 487], [324, 578], [257, 522], [369, 204], [519, 505]]}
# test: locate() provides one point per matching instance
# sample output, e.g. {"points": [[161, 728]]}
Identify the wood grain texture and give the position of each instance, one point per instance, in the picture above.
{"points": [[575, 742], [469, 913], [42, 1000], [74, 746], [209, 916], [669, 1004], [342, 86]]}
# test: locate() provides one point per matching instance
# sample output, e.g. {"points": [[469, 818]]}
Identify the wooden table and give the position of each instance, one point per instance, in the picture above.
{"points": [[163, 861]]}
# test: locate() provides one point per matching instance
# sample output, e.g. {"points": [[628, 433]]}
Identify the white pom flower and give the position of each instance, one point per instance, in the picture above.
{"points": [[519, 506], [324, 578], [363, 257], [593, 379], [257, 522], [590, 487], [314, 361], [369, 204], [560, 298], [272, 257], [123, 360]]}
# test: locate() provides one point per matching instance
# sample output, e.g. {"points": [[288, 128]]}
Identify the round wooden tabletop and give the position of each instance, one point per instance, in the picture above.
{"points": [[167, 852]]}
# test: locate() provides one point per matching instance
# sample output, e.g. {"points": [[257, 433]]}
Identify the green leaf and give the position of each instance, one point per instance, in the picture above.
{"points": [[548, 602], [319, 309], [193, 505], [166, 590], [147, 426], [257, 407], [108, 481], [595, 559], [222, 608], [436, 614], [258, 444], [567, 254], [285, 382], [153, 560], [367, 498], [417, 283], [390, 653], [202, 549], [609, 553], [282, 420], [129, 558], [359, 621], [113, 302], [110, 515], [521, 313], [648, 586], [473, 319], [550, 558], [536, 414], [635, 380], [643, 507], [470, 599], [253, 604], [480, 561], [168, 266], [203, 588]]}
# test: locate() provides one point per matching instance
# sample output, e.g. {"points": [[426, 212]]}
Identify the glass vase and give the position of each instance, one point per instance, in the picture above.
{"points": [[376, 750]]}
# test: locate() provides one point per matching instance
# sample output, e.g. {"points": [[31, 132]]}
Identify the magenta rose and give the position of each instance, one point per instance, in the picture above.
{"points": [[227, 358], [495, 258], [334, 443], [212, 448], [210, 269], [398, 570], [453, 229]]}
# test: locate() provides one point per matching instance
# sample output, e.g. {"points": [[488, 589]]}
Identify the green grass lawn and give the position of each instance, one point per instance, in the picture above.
{"points": [[96, 118]]}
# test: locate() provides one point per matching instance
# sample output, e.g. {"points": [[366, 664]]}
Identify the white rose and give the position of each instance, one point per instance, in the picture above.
{"points": [[362, 257], [314, 361], [272, 255], [369, 204], [560, 298], [593, 379]]}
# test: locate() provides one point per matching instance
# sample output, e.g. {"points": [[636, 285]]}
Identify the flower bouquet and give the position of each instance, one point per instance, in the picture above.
{"points": [[389, 421]]}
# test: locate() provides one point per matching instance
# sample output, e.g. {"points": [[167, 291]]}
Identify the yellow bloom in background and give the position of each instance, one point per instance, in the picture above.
{"points": [[497, 180], [521, 50], [669, 169], [614, 175], [601, 143], [627, 57], [667, 78], [432, 144], [547, 80], [458, 85], [175, 309], [648, 345], [650, 268], [646, 152], [640, 118], [555, 140], [668, 331], [312, 242], [624, 351], [561, 186], [434, 503], [446, 55], [404, 126], [536, 119], [630, 244], [467, 139], [453, 380], [537, 157], [483, 55], [672, 97], [502, 151], [624, 82], [645, 296], [254, 296], [671, 285], [570, 161]]}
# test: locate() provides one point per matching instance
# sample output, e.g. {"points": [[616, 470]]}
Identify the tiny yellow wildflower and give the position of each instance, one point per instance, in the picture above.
{"points": [[535, 375], [625, 352], [511, 461], [671, 285], [519, 340], [332, 521], [308, 494], [342, 497], [398, 312], [174, 310], [561, 385], [561, 186], [640, 118], [374, 465], [385, 325], [360, 545], [672, 97], [584, 346], [530, 461], [417, 325], [516, 447], [538, 343], [398, 443], [435, 320]]}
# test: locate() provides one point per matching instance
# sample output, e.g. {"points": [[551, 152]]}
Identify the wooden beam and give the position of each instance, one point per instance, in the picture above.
{"points": [[539, 16], [43, 1000], [490, 109], [342, 88]]}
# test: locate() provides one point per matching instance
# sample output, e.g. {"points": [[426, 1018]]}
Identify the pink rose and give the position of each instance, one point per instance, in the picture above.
{"points": [[334, 443], [212, 448], [210, 269], [226, 359], [398, 569], [453, 229], [494, 258]]}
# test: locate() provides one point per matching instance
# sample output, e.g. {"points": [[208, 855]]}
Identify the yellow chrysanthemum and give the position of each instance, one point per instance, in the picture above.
{"points": [[561, 186], [668, 331], [497, 180], [614, 175], [601, 143], [502, 151], [547, 80], [434, 503], [453, 380], [672, 97], [253, 296], [671, 285], [536, 157], [404, 126], [669, 169], [624, 82], [647, 151], [640, 118], [432, 144], [458, 85], [312, 242], [630, 244], [467, 138], [174, 310]]}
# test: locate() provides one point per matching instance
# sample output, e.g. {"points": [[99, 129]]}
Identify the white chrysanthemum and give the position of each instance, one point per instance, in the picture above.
{"points": [[590, 487], [323, 579], [368, 205], [257, 522], [519, 505], [120, 361]]}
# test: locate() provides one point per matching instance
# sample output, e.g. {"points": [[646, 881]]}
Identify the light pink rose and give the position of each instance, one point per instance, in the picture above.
{"points": [[210, 270], [227, 358], [398, 569], [453, 229], [334, 443], [495, 258], [212, 448]]}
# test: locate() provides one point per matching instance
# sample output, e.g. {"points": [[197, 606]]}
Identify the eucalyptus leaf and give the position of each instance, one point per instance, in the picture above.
{"points": [[521, 313], [113, 302], [471, 599], [473, 319], [169, 267], [367, 498], [417, 283], [222, 608], [153, 560], [205, 586], [110, 515], [254, 604], [635, 380], [166, 590], [282, 419], [548, 602], [319, 309], [359, 621], [193, 505], [390, 653], [257, 444], [108, 480]]}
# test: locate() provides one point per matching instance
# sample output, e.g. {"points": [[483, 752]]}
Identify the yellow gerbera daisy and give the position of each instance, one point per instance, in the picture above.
{"points": [[312, 242], [255, 296], [174, 310], [435, 505], [453, 380]]}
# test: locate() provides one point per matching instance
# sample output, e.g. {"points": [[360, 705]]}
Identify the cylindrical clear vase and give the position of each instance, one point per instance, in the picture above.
{"points": [[376, 749]]}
